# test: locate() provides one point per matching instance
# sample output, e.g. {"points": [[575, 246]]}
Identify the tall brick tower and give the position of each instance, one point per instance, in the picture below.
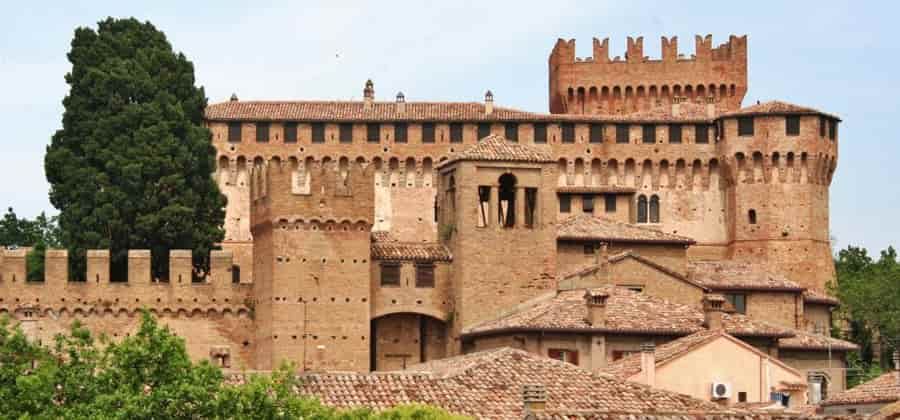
{"points": [[779, 159], [600, 85], [497, 215], [311, 225]]}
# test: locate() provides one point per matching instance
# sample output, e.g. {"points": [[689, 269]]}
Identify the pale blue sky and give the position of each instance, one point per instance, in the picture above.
{"points": [[836, 56]]}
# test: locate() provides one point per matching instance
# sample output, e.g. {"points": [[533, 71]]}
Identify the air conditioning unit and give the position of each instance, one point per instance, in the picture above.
{"points": [[721, 390]]}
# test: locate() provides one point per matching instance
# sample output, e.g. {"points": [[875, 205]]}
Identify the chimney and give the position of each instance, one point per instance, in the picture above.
{"points": [[234, 97], [648, 364], [534, 398], [596, 307], [369, 95], [401, 103], [713, 306], [488, 103]]}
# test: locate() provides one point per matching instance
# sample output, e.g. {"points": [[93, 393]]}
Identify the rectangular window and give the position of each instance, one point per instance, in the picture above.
{"points": [[530, 206], [484, 205], [428, 132], [318, 132], [588, 249], [701, 133], [456, 133], [565, 203], [596, 133], [610, 202], [290, 132], [424, 275], [565, 355], [400, 132], [390, 275], [234, 132], [792, 125], [484, 130], [832, 129], [345, 133], [745, 126], [649, 133], [634, 288], [512, 131], [540, 133], [675, 133], [568, 133], [822, 123], [262, 132], [587, 204], [619, 354], [373, 132], [621, 133], [738, 300], [742, 396]]}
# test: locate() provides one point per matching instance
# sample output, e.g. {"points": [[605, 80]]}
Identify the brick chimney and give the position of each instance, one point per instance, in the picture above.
{"points": [[401, 103], [534, 398], [596, 307], [369, 95], [648, 364], [713, 307], [488, 103]]}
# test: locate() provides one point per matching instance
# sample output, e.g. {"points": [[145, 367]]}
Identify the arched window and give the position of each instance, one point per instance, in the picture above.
{"points": [[507, 205], [751, 216], [654, 209], [235, 274], [642, 209]]}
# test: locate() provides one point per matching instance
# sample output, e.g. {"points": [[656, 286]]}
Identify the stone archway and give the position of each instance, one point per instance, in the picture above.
{"points": [[403, 339]]}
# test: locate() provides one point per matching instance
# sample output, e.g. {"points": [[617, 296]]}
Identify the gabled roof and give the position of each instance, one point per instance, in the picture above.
{"points": [[497, 148], [803, 340], [739, 275], [627, 312], [622, 256], [776, 108], [588, 228], [883, 389], [386, 248]]}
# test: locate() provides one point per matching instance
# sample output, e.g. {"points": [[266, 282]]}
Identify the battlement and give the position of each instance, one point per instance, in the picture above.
{"points": [[600, 85]]}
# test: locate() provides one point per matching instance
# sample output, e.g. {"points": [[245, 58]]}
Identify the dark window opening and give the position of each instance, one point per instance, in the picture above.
{"points": [[484, 130], [373, 132], [262, 132], [234, 132], [642, 209], [400, 133], [742, 396], [610, 203], [745, 126], [621, 133], [507, 205], [530, 206], [345, 133], [596, 133], [390, 275], [235, 274], [654, 209], [649, 133], [633, 288], [738, 300], [822, 123], [619, 354], [588, 249], [565, 203], [424, 275], [587, 204], [456, 133], [701, 133], [568, 133], [832, 129], [540, 133], [564, 355], [751, 216], [290, 132], [428, 132], [512, 131], [484, 205], [675, 133], [792, 125], [318, 132]]}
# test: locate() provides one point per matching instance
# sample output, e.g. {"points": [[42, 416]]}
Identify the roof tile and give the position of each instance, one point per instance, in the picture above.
{"points": [[497, 148], [776, 108], [585, 227], [885, 388], [739, 275]]}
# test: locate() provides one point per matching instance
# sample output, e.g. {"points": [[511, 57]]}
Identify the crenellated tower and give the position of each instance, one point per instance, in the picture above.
{"points": [[635, 83]]}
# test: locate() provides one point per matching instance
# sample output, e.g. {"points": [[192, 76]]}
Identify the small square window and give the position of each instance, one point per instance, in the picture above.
{"points": [[610, 203], [742, 396], [596, 133], [565, 203], [262, 132], [792, 125], [621, 133], [373, 132], [738, 300], [290, 132], [568, 133], [390, 275], [318, 132], [540, 133], [456, 133], [234, 132], [675, 133], [745, 126], [428, 132], [424, 275]]}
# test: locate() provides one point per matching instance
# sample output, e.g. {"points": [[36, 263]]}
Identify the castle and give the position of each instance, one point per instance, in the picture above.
{"points": [[369, 235]]}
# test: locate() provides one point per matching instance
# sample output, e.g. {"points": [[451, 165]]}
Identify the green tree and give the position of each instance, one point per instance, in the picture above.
{"points": [[15, 231], [131, 166]]}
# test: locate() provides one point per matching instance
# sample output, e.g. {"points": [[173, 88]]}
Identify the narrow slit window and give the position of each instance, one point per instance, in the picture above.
{"points": [[530, 206], [654, 209], [540, 133], [506, 207], [484, 205], [642, 209], [751, 216]]}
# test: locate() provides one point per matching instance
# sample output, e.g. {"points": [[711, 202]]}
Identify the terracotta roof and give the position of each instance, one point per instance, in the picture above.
{"points": [[630, 365], [382, 236], [605, 189], [739, 275], [818, 296], [410, 251], [626, 312], [593, 267], [586, 227], [497, 148], [883, 389], [804, 340], [776, 108]]}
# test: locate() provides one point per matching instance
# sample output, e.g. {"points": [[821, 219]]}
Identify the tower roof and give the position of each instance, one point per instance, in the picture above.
{"points": [[497, 148], [777, 108]]}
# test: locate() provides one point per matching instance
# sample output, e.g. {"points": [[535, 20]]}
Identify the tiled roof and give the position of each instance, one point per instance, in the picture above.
{"points": [[883, 389], [739, 275], [631, 365], [776, 108], [410, 251], [593, 267], [818, 296], [586, 227], [497, 148], [804, 340], [382, 236], [626, 312], [605, 189]]}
